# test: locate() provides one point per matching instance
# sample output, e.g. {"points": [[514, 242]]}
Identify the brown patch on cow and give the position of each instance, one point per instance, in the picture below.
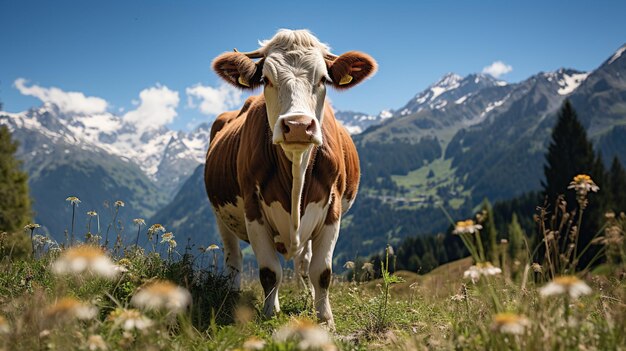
{"points": [[227, 117], [325, 278], [353, 169], [268, 280], [357, 64], [220, 174], [334, 210]]}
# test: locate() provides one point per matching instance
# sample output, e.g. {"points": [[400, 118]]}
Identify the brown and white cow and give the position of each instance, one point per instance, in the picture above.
{"points": [[281, 171]]}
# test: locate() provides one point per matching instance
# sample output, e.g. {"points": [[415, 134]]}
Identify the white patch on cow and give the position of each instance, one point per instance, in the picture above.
{"points": [[295, 69], [346, 204], [233, 217], [265, 253], [323, 247], [279, 221], [232, 254], [302, 262]]}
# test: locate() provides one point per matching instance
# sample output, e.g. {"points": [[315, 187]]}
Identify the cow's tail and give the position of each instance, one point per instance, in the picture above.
{"points": [[296, 198]]}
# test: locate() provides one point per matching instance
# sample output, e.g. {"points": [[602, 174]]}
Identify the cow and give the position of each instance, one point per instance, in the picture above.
{"points": [[281, 171]]}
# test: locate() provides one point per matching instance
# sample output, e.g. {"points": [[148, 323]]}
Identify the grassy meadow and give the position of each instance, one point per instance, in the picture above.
{"points": [[77, 296]]}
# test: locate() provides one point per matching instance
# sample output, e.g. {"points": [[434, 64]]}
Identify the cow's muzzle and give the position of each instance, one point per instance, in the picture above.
{"points": [[297, 129]]}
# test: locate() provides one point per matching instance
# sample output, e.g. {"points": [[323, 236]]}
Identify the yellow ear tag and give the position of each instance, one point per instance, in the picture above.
{"points": [[345, 79], [243, 82]]}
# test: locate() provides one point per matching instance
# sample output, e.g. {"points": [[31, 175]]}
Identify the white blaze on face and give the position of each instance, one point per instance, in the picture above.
{"points": [[295, 77]]}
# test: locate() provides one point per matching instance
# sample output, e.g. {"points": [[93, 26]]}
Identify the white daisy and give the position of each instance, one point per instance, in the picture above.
{"points": [[568, 284], [162, 295], [481, 269], [307, 335], [466, 227], [510, 323], [85, 259]]}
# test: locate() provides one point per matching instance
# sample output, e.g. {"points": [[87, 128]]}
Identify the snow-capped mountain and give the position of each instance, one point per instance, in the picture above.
{"points": [[357, 122], [167, 157], [451, 88]]}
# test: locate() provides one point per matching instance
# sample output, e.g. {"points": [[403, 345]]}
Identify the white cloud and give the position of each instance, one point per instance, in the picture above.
{"points": [[497, 69], [213, 100], [66, 101], [157, 107]]}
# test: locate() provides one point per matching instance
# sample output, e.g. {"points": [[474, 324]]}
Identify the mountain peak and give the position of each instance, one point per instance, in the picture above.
{"points": [[617, 54], [449, 79], [565, 79], [484, 78], [450, 87]]}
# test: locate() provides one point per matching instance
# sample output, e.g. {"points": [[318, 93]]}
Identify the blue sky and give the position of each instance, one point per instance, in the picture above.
{"points": [[113, 51]]}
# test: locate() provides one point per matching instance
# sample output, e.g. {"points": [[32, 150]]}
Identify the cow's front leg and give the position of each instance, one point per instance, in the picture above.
{"points": [[321, 270], [302, 263], [270, 270]]}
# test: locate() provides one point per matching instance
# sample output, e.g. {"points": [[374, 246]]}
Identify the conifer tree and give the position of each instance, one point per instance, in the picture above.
{"points": [[15, 211], [489, 232], [570, 153]]}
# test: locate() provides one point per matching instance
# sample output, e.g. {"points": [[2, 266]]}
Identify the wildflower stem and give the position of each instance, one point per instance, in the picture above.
{"points": [[589, 244], [106, 236], [471, 248], [494, 297], [598, 254], [479, 243], [446, 213], [567, 313], [466, 298], [580, 219], [214, 262], [72, 232], [32, 243], [542, 228], [137, 238]]}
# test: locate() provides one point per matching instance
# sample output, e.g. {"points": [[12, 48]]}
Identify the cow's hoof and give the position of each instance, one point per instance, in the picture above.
{"points": [[328, 325]]}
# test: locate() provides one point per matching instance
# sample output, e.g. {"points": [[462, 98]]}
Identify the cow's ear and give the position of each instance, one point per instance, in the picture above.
{"points": [[350, 69], [238, 70]]}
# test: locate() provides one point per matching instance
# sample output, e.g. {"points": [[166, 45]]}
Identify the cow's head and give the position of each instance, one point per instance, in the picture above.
{"points": [[294, 68]]}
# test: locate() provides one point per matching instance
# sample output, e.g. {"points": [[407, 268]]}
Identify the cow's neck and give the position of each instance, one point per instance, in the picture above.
{"points": [[299, 164]]}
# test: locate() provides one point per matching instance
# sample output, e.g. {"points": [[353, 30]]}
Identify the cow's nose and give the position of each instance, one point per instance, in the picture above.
{"points": [[299, 129]]}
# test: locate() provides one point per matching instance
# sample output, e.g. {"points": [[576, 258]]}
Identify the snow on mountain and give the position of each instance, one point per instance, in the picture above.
{"points": [[164, 155], [450, 89], [617, 54], [565, 80], [571, 82], [357, 122]]}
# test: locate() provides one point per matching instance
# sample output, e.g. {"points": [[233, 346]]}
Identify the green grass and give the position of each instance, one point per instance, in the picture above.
{"points": [[421, 311], [504, 308]]}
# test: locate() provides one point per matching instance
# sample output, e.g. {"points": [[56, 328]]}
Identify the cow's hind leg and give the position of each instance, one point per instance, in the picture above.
{"points": [[232, 255], [321, 270], [270, 270]]}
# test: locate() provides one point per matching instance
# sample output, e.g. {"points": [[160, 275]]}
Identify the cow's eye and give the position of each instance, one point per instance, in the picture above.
{"points": [[322, 81], [266, 81]]}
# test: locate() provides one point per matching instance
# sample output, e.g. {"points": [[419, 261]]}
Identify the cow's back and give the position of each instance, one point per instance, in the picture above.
{"points": [[220, 171]]}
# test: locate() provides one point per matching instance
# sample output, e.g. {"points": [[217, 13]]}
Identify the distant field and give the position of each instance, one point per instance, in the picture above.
{"points": [[420, 185]]}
